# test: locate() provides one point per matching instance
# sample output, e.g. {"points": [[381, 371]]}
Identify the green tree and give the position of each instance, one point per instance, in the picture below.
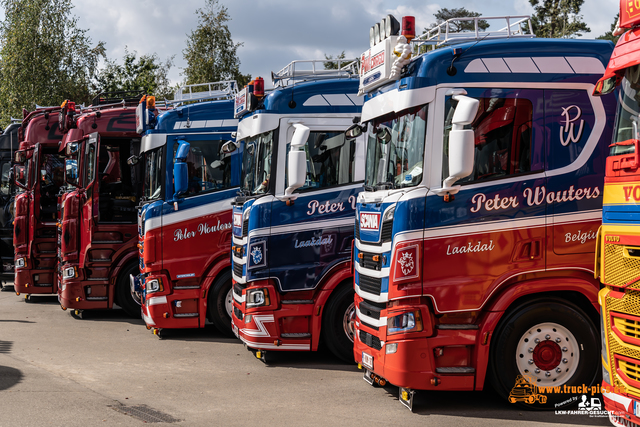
{"points": [[558, 18], [333, 65], [146, 73], [609, 34], [445, 14], [211, 54], [44, 57]]}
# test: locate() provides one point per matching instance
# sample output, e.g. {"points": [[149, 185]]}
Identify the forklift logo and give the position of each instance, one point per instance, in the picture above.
{"points": [[526, 391], [568, 129]]}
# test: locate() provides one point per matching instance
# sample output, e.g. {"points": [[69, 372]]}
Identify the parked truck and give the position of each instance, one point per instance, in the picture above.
{"points": [[97, 233], [293, 219], [482, 199], [618, 252], [192, 174], [38, 174], [8, 145]]}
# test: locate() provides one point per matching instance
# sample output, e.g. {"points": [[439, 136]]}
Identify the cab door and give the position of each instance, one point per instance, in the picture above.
{"points": [[493, 229], [314, 233]]}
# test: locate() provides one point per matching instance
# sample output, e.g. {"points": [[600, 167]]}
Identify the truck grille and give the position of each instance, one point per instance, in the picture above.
{"points": [[386, 234], [245, 227], [370, 340], [371, 309], [370, 284], [367, 261], [357, 231], [621, 337], [237, 269], [237, 289], [237, 313], [620, 269]]}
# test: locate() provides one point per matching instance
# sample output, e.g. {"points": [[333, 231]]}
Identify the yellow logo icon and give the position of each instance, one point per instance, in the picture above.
{"points": [[526, 391], [633, 8]]}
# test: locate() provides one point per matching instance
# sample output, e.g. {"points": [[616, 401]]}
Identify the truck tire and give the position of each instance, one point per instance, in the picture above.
{"points": [[123, 291], [220, 303], [551, 343], [337, 322]]}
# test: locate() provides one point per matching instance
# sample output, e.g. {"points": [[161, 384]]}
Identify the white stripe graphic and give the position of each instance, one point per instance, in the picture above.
{"points": [[259, 320], [187, 214]]}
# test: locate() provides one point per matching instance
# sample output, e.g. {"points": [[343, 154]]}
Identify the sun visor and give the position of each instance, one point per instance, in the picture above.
{"points": [[624, 55]]}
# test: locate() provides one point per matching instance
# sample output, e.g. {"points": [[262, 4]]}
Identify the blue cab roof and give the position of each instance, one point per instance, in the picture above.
{"points": [[197, 113], [555, 56]]}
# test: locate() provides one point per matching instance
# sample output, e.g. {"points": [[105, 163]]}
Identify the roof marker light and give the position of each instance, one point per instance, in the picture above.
{"points": [[392, 26], [383, 29], [409, 27], [376, 33], [258, 87], [372, 38], [151, 102]]}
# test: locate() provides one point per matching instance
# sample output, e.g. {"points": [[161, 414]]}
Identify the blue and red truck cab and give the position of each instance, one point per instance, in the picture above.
{"points": [[483, 194], [618, 256], [293, 219], [39, 175], [192, 173], [98, 230]]}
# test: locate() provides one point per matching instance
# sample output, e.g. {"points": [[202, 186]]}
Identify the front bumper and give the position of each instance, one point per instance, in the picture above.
{"points": [[621, 409], [181, 309], [81, 294], [24, 281], [262, 328]]}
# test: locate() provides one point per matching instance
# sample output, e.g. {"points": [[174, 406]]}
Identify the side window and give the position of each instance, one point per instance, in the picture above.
{"points": [[209, 168], [51, 179], [91, 162], [503, 136], [5, 184], [330, 160]]}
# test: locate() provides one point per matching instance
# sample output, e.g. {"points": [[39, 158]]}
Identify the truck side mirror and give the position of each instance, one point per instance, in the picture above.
{"points": [[461, 144], [297, 171], [180, 170], [229, 147], [71, 172]]}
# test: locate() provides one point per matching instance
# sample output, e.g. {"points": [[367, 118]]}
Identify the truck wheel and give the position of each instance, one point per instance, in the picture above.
{"points": [[548, 342], [338, 323], [123, 291], [220, 303]]}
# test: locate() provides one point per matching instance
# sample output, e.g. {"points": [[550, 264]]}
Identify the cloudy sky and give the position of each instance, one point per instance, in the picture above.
{"points": [[275, 32]]}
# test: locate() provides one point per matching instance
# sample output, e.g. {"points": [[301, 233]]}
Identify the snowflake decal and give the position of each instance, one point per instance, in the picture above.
{"points": [[406, 263], [256, 255]]}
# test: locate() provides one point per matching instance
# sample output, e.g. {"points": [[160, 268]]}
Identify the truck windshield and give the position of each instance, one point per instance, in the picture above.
{"points": [[152, 189], [395, 150], [256, 163], [628, 112]]}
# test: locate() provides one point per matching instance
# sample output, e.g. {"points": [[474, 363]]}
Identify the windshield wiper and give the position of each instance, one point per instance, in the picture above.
{"points": [[388, 185], [369, 188]]}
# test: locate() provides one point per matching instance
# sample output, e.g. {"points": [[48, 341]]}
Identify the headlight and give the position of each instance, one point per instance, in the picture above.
{"points": [[20, 263], [69, 273], [391, 348], [405, 322], [388, 215], [257, 297], [154, 285]]}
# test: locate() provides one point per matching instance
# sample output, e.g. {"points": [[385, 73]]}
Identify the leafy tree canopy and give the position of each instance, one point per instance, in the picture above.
{"points": [[146, 73], [558, 18], [445, 14], [44, 57], [211, 54], [333, 65]]}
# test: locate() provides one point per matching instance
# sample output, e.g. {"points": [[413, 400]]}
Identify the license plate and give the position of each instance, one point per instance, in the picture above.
{"points": [[235, 330], [367, 360]]}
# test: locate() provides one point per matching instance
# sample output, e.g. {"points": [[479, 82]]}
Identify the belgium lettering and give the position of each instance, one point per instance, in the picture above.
{"points": [[203, 228], [532, 197]]}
